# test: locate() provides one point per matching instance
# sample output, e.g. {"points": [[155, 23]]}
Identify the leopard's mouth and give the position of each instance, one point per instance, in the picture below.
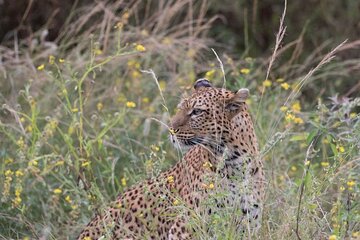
{"points": [[185, 142]]}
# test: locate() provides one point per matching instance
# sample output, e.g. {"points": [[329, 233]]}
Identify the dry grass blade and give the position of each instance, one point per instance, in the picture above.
{"points": [[327, 58], [279, 38]]}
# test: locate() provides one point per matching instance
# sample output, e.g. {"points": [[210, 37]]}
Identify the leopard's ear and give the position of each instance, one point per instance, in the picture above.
{"points": [[235, 103], [242, 94], [201, 83]]}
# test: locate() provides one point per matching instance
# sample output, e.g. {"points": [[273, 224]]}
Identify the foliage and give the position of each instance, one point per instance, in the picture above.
{"points": [[81, 121]]}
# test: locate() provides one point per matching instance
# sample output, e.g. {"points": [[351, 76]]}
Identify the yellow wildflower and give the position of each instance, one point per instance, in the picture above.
{"points": [[267, 83], [245, 71], [29, 128], [325, 164], [17, 201], [71, 130], [353, 115], [41, 67], [140, 48], [19, 173], [8, 173], [284, 108], [61, 60], [74, 206], [18, 191], [210, 74], [135, 74], [293, 168], [332, 237], [130, 104], [68, 199], [57, 191], [53, 124], [125, 16], [155, 148], [21, 142], [211, 186], [296, 107], [59, 163], [207, 164], [307, 162], [176, 202], [145, 100], [91, 196], [85, 164], [351, 183], [9, 160], [51, 59], [170, 179], [298, 120], [285, 86], [119, 25], [342, 188], [280, 80], [99, 106], [289, 117], [121, 99], [340, 148], [98, 51], [33, 162], [123, 182], [74, 110], [132, 63]]}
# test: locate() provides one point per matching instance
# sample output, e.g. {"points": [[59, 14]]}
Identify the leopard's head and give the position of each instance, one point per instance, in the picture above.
{"points": [[205, 117]]}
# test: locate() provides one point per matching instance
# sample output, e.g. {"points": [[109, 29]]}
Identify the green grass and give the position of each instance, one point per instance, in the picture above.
{"points": [[81, 123]]}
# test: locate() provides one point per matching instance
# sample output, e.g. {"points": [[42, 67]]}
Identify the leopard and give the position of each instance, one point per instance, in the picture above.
{"points": [[215, 128]]}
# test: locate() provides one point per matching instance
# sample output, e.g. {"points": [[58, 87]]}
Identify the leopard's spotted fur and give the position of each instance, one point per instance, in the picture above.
{"points": [[214, 123]]}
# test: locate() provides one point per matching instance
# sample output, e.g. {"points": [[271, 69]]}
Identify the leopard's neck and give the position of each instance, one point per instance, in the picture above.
{"points": [[242, 149]]}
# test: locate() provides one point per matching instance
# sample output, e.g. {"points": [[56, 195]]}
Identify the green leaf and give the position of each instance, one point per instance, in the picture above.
{"points": [[311, 136], [299, 137], [333, 149]]}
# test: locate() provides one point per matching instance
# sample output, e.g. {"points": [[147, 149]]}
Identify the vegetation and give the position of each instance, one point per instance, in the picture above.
{"points": [[84, 117]]}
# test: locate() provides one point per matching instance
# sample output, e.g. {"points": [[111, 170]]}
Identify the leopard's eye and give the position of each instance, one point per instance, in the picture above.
{"points": [[196, 111]]}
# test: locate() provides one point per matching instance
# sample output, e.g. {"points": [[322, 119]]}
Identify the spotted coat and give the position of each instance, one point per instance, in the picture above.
{"points": [[212, 123]]}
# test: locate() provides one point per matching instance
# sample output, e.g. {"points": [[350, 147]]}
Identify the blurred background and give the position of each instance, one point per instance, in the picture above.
{"points": [[240, 25], [240, 28]]}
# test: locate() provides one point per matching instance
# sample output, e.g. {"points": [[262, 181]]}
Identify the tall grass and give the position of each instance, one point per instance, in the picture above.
{"points": [[77, 122]]}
